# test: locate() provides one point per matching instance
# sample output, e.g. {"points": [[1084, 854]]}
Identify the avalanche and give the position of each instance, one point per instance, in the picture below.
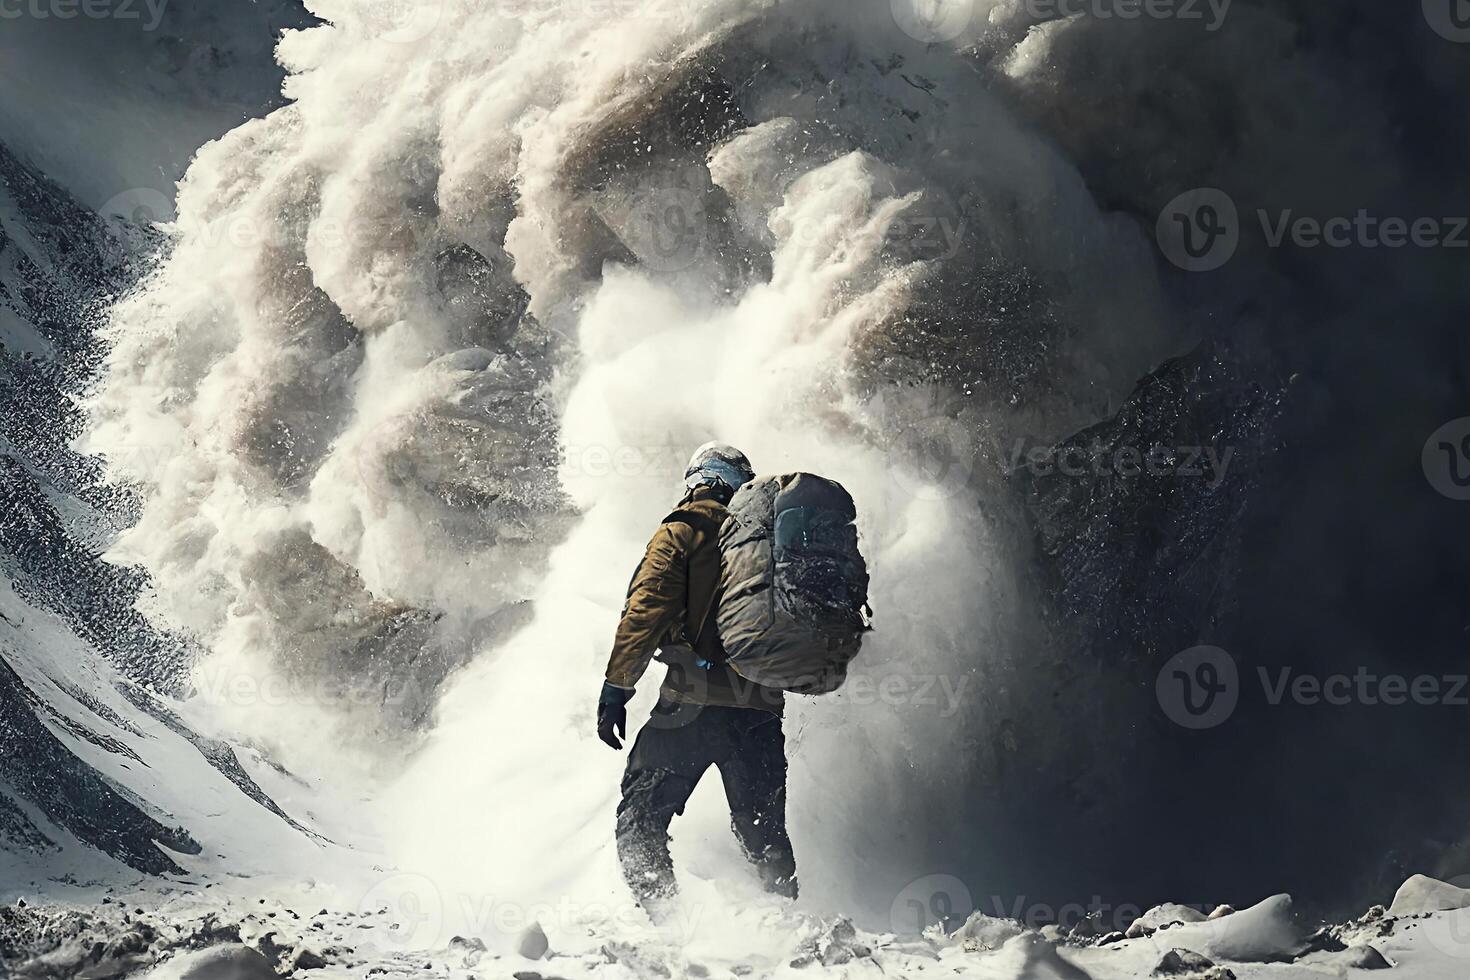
{"points": [[372, 431]]}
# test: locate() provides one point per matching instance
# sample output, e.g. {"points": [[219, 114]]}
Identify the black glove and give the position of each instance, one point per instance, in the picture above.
{"points": [[612, 714]]}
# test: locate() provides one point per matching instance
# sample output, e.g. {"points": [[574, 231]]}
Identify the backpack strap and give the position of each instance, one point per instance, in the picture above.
{"points": [[704, 566]]}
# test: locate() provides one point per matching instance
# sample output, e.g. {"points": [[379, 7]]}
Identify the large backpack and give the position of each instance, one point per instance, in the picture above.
{"points": [[793, 586]]}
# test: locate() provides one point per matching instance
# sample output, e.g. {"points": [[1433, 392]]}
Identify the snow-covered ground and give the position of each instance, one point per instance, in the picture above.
{"points": [[189, 932]]}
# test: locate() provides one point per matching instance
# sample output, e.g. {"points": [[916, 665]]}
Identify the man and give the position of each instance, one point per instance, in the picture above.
{"points": [[706, 713]]}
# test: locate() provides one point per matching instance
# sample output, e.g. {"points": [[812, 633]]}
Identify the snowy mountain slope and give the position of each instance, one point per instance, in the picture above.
{"points": [[99, 777]]}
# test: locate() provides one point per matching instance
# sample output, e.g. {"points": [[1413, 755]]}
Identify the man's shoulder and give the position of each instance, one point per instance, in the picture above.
{"points": [[695, 523], [698, 514]]}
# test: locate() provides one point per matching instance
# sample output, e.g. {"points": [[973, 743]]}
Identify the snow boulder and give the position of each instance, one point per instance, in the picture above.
{"points": [[533, 944], [1264, 933], [1363, 957], [1422, 893], [1181, 962], [229, 962], [1161, 917]]}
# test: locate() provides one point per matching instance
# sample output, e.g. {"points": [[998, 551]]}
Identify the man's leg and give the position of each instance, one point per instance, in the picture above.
{"points": [[664, 766], [755, 785]]}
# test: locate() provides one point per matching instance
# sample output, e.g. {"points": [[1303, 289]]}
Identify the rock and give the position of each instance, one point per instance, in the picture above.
{"points": [[472, 943], [644, 961], [130, 942], [986, 931], [307, 958], [1168, 914], [1221, 911], [1137, 930], [231, 962], [1364, 957], [268, 946], [1181, 961], [1187, 963], [1325, 939], [526, 975], [469, 950], [1110, 938], [533, 944], [1422, 893]]}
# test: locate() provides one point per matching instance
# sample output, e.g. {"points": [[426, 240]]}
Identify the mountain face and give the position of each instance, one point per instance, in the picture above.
{"points": [[84, 678]]}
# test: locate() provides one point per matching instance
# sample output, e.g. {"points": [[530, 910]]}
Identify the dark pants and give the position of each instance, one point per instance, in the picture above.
{"points": [[671, 753]]}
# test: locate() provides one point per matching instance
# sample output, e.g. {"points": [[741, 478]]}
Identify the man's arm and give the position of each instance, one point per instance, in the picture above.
{"points": [[658, 598]]}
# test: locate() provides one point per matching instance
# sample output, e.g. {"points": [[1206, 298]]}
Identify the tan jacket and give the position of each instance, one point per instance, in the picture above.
{"points": [[668, 610]]}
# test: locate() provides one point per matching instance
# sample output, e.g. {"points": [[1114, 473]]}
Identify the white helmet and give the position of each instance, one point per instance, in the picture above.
{"points": [[717, 463]]}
